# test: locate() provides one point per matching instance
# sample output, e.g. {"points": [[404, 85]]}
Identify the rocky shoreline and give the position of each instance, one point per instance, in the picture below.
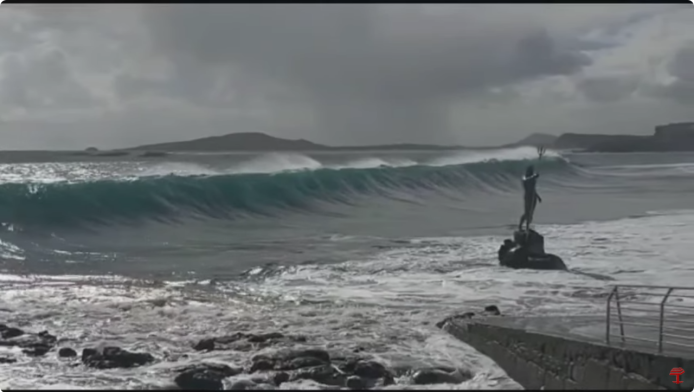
{"points": [[269, 364]]}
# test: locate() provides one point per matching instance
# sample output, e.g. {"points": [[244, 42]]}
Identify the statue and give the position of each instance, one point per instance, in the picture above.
{"points": [[530, 196], [527, 249]]}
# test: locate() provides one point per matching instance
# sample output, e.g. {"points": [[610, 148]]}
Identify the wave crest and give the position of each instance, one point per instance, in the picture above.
{"points": [[257, 187]]}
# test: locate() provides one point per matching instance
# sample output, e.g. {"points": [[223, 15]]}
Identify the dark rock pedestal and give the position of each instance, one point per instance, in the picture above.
{"points": [[527, 250]]}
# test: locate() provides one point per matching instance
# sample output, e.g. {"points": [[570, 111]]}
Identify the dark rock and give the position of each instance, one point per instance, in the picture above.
{"points": [[204, 345], [31, 344], [370, 369], [262, 365], [388, 380], [517, 258], [47, 337], [9, 333], [493, 310], [7, 360], [301, 362], [312, 353], [347, 365], [291, 360], [221, 341], [504, 248], [355, 382], [280, 378], [206, 376], [88, 353], [325, 374], [439, 376], [241, 341], [67, 352], [37, 350], [114, 357], [527, 250]]}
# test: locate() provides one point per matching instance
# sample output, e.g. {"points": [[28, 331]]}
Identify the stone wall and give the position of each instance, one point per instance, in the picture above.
{"points": [[537, 360]]}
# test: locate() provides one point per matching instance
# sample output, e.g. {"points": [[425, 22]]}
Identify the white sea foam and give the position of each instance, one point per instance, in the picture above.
{"points": [[386, 303]]}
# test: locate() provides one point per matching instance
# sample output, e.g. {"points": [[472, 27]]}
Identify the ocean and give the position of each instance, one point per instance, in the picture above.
{"points": [[353, 250]]}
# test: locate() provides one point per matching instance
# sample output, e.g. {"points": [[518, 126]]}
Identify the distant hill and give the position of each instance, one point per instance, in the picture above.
{"points": [[670, 137], [249, 141], [255, 141]]}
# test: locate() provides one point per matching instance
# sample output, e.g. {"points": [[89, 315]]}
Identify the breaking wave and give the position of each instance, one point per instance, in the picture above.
{"points": [[267, 185]]}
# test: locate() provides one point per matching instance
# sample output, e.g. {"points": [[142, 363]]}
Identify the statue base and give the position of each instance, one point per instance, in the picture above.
{"points": [[527, 250]]}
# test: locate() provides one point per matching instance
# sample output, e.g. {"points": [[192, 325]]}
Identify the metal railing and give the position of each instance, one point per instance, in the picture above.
{"points": [[660, 316]]}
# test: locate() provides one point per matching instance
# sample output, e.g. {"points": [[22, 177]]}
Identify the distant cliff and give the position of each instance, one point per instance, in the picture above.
{"points": [[594, 142], [670, 137]]}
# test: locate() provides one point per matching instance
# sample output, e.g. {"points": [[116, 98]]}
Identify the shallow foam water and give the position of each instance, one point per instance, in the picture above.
{"points": [[380, 292], [384, 304]]}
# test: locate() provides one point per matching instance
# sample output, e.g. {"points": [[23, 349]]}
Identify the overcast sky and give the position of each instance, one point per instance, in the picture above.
{"points": [[112, 76]]}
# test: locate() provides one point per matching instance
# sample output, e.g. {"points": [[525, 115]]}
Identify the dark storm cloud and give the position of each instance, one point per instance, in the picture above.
{"points": [[362, 67]]}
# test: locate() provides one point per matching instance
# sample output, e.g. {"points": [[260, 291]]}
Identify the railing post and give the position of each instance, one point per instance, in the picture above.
{"points": [[662, 317], [619, 315], [609, 315]]}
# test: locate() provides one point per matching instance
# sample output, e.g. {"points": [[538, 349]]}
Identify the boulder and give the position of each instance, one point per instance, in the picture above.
{"points": [[355, 382], [290, 360], [242, 341], [527, 250], [67, 352], [114, 357], [325, 374], [31, 344], [531, 240], [492, 310], [368, 371], [9, 332], [279, 378], [206, 376], [440, 376]]}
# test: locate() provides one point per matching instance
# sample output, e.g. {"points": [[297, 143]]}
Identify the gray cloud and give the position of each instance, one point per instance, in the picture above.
{"points": [[682, 64], [363, 68], [608, 88], [119, 75], [681, 68], [44, 80]]}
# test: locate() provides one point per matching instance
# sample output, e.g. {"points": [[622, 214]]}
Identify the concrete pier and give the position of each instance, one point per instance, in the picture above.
{"points": [[571, 353]]}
